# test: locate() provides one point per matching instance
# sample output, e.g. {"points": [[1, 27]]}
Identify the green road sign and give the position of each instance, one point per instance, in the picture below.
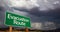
{"points": [[12, 19]]}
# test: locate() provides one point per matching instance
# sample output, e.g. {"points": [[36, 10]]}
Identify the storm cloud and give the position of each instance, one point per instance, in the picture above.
{"points": [[44, 14]]}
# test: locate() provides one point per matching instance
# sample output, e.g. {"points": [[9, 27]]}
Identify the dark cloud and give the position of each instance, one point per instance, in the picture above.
{"points": [[42, 17], [36, 15]]}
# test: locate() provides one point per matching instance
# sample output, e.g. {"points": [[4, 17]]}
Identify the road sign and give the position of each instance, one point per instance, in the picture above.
{"points": [[13, 19]]}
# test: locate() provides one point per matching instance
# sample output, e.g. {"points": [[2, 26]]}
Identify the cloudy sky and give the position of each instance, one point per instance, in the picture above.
{"points": [[44, 14]]}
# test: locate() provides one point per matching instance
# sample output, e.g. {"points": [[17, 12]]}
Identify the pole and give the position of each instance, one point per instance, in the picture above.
{"points": [[27, 30], [10, 29]]}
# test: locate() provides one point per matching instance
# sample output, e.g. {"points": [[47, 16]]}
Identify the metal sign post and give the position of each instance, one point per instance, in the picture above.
{"points": [[27, 30], [10, 29], [14, 19]]}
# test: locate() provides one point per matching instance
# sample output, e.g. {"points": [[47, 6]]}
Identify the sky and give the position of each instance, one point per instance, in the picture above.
{"points": [[44, 14]]}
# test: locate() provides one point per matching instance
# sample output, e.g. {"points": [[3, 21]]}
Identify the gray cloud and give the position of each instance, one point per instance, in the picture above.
{"points": [[46, 20], [46, 26], [44, 5]]}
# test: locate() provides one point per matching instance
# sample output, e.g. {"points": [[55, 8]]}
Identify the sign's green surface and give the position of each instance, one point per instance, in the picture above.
{"points": [[12, 19]]}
